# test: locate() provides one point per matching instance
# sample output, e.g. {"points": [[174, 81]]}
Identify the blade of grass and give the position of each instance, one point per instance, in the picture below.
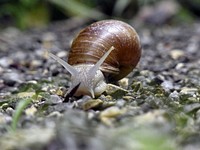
{"points": [[19, 110], [72, 7], [120, 6]]}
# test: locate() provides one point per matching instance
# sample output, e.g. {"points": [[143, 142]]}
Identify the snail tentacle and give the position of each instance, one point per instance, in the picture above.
{"points": [[94, 69], [67, 66]]}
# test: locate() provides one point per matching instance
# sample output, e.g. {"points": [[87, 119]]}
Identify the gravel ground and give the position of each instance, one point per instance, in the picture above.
{"points": [[155, 108]]}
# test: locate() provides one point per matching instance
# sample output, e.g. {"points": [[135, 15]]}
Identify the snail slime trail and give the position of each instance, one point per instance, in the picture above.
{"points": [[105, 51]]}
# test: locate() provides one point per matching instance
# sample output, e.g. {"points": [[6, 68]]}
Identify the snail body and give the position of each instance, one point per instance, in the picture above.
{"points": [[105, 51]]}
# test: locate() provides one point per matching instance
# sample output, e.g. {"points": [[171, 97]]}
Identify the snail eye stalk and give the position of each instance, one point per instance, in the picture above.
{"points": [[94, 69], [67, 66]]}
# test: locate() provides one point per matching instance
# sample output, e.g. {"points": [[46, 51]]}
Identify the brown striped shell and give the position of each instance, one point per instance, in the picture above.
{"points": [[93, 41]]}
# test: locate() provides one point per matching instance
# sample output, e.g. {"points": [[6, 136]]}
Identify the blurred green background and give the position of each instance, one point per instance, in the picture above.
{"points": [[36, 13]]}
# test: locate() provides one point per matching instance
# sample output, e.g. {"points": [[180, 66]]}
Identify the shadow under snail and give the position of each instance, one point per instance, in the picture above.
{"points": [[105, 51]]}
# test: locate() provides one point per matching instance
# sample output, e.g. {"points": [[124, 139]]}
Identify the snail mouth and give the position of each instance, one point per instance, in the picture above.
{"points": [[72, 92]]}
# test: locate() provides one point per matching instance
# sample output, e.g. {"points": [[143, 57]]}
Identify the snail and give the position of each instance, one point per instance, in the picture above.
{"points": [[105, 51]]}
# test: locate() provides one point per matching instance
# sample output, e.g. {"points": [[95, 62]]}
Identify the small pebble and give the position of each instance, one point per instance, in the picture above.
{"points": [[92, 103], [54, 99], [120, 103], [186, 90], [115, 91], [123, 83], [10, 78], [153, 117], [179, 66], [32, 82], [25, 94], [5, 119], [176, 54], [10, 111], [60, 91], [30, 111], [55, 114], [127, 98], [167, 85], [110, 114], [62, 54], [174, 94], [36, 63], [5, 62]]}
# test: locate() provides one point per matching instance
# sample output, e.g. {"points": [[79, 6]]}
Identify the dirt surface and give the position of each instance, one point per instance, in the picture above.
{"points": [[156, 108]]}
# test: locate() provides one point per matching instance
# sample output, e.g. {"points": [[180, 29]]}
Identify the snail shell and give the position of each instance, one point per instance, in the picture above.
{"points": [[93, 41], [107, 50]]}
